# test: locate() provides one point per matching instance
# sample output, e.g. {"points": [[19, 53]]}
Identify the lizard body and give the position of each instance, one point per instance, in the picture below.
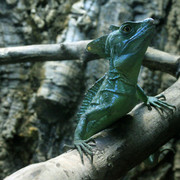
{"points": [[117, 92]]}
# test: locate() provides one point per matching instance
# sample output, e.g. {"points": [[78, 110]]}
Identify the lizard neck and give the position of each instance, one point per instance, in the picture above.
{"points": [[128, 70]]}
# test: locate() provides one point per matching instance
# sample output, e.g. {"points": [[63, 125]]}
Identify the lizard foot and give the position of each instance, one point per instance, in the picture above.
{"points": [[83, 147], [157, 103]]}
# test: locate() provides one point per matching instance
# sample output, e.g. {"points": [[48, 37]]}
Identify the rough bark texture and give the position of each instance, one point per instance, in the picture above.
{"points": [[38, 100]]}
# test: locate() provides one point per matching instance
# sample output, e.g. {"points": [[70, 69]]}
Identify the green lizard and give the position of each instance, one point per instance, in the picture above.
{"points": [[117, 92]]}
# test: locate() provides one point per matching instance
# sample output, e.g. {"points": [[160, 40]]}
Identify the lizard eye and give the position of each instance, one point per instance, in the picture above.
{"points": [[127, 28]]}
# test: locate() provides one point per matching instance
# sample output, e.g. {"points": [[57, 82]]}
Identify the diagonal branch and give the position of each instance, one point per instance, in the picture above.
{"points": [[118, 149], [154, 59]]}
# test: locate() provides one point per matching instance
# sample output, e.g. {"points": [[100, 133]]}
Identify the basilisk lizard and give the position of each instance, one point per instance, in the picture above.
{"points": [[117, 92]]}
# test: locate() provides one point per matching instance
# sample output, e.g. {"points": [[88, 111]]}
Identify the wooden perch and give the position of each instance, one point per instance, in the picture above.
{"points": [[118, 149], [154, 59]]}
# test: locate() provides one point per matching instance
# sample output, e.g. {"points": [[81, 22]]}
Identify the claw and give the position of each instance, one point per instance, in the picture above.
{"points": [[156, 102], [86, 150], [161, 96], [90, 139], [92, 144], [80, 152], [164, 104], [87, 146], [156, 105], [83, 147]]}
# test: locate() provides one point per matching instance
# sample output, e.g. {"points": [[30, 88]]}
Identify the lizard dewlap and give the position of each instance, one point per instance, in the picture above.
{"points": [[117, 92]]}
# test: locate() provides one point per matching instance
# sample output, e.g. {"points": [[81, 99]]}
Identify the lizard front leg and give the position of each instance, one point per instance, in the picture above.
{"points": [[153, 101]]}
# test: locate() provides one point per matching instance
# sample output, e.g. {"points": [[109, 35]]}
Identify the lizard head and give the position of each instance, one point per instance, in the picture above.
{"points": [[131, 37]]}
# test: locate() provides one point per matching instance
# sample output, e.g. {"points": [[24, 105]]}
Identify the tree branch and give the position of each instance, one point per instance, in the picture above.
{"points": [[118, 149], [154, 59], [46, 52], [159, 60]]}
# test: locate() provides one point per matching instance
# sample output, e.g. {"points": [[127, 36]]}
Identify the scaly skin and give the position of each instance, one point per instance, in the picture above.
{"points": [[118, 93]]}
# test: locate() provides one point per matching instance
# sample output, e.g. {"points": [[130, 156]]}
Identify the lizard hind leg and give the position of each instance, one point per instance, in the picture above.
{"points": [[80, 141], [83, 147], [89, 124]]}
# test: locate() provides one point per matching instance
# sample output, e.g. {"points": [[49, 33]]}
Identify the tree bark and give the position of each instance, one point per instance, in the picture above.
{"points": [[118, 149]]}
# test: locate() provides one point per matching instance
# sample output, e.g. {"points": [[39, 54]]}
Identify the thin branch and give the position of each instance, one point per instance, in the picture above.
{"points": [[118, 149], [154, 59], [159, 60], [46, 52]]}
